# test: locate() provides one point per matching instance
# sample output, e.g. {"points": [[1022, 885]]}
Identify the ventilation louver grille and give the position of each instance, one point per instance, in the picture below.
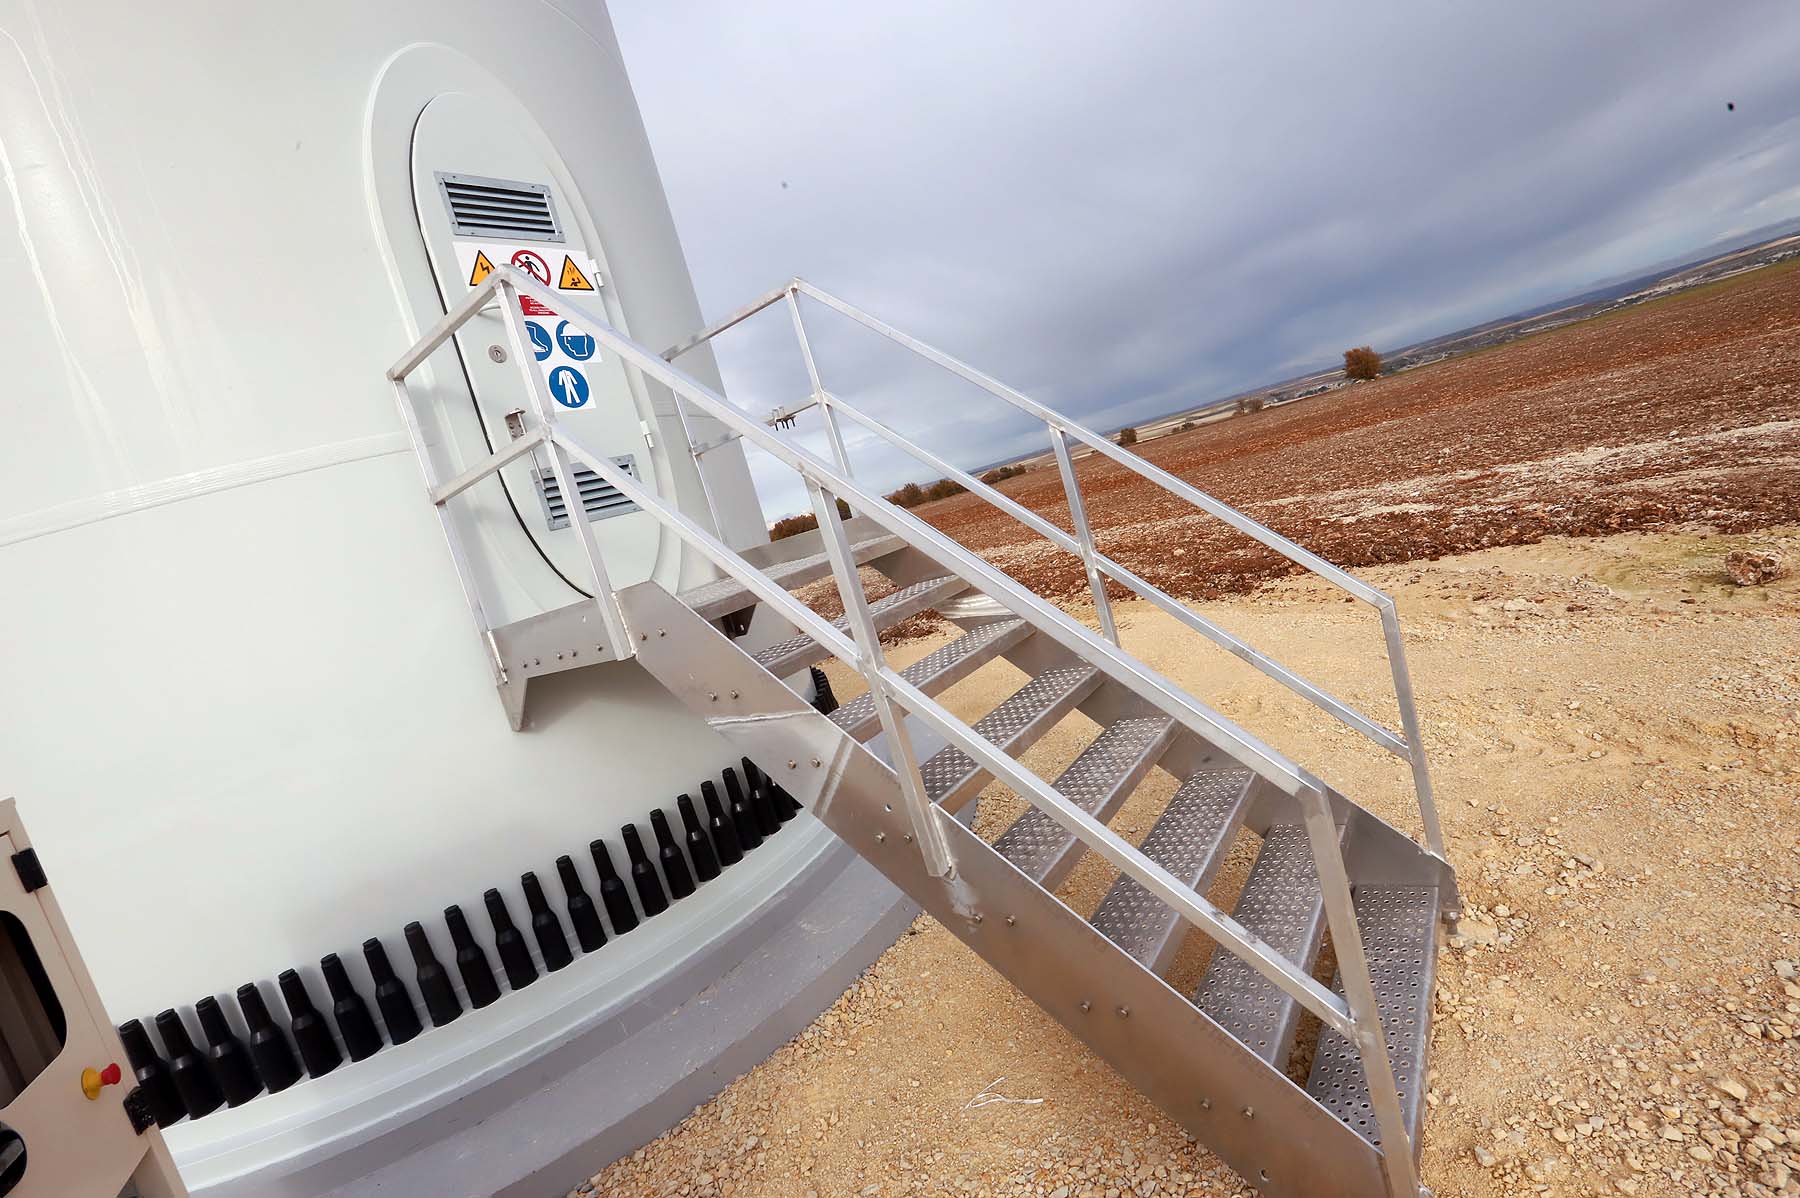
{"points": [[501, 208], [599, 498]]}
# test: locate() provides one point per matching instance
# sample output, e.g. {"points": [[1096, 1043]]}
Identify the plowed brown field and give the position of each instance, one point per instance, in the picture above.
{"points": [[1683, 411]]}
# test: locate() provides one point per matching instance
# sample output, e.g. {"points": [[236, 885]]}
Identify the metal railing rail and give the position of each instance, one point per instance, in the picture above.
{"points": [[1406, 745], [1356, 1015]]}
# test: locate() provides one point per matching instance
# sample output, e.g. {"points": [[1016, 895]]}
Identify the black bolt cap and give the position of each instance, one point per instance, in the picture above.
{"points": [[194, 1079], [362, 1039], [700, 849], [589, 932], [509, 942], [270, 1051], [553, 942], [643, 874], [471, 960], [152, 1073], [619, 910], [391, 995], [743, 816], [432, 978], [674, 865], [312, 1035], [724, 832], [230, 1061]]}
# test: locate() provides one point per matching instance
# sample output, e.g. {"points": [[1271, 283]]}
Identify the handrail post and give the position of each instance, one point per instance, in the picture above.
{"points": [[560, 465], [922, 812], [1084, 537], [1359, 992], [833, 432], [1409, 722], [459, 557]]}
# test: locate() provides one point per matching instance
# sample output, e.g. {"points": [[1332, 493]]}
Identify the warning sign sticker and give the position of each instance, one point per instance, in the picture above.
{"points": [[572, 278], [558, 344], [483, 268]]}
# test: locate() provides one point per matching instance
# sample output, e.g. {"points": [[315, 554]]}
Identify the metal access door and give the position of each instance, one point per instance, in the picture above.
{"points": [[489, 192], [55, 1140]]}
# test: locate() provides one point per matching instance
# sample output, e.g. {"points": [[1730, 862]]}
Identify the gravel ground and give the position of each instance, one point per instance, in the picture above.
{"points": [[1615, 735]]}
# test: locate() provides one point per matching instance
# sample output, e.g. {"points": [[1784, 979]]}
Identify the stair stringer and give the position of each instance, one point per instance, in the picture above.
{"points": [[1264, 1126]]}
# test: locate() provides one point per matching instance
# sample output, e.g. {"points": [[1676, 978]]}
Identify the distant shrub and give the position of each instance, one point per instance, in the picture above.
{"points": [[1000, 474], [911, 495], [791, 526], [944, 488], [1250, 403], [1361, 363], [1128, 436], [1185, 425]]}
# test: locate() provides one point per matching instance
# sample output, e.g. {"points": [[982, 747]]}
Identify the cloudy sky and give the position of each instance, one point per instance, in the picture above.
{"points": [[1126, 209]]}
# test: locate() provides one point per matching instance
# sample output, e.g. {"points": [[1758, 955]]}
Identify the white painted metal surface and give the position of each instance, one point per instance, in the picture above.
{"points": [[241, 698]]}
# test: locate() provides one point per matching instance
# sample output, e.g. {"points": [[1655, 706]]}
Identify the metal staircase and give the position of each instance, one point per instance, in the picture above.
{"points": [[1220, 1060]]}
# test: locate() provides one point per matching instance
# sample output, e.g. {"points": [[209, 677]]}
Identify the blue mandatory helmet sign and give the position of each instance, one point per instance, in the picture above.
{"points": [[574, 342], [569, 386], [540, 339]]}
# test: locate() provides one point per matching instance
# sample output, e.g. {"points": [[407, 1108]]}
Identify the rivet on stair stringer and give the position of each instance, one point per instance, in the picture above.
{"points": [[1011, 920], [662, 632], [880, 836], [1086, 1005], [979, 917], [815, 763], [712, 696], [792, 764], [734, 694], [1249, 1112], [1206, 1104], [1124, 1012]]}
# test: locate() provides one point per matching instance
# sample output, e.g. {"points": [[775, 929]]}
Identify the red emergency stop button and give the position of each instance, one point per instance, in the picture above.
{"points": [[95, 1080]]}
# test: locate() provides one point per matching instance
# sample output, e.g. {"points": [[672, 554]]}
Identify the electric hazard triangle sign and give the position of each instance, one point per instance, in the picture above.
{"points": [[483, 268], [572, 278]]}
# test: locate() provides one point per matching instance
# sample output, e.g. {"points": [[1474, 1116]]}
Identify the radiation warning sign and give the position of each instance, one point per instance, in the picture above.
{"points": [[572, 278], [483, 268]]}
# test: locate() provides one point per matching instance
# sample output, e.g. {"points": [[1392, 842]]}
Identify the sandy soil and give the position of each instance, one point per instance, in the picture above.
{"points": [[1615, 735]]}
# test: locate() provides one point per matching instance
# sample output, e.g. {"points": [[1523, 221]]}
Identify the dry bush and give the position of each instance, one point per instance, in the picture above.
{"points": [[1361, 363], [790, 526], [1250, 403], [1128, 436], [1000, 474]]}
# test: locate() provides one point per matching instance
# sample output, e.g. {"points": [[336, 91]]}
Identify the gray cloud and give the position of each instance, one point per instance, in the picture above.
{"points": [[1124, 209]]}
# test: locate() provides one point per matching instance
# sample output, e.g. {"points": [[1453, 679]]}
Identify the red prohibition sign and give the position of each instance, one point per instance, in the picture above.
{"points": [[538, 268]]}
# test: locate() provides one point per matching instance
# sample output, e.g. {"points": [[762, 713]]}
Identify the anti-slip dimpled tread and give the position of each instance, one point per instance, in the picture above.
{"points": [[723, 596], [798, 652], [1096, 782], [937, 670], [1281, 903], [1188, 840], [1024, 716], [1399, 931]]}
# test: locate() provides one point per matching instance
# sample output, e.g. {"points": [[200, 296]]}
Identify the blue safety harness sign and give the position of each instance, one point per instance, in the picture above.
{"points": [[569, 386]]}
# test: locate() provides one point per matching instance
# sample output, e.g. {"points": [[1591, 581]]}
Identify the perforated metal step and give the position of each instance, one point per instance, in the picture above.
{"points": [[1188, 840], [798, 652], [938, 669], [1399, 931], [952, 777], [1098, 781], [723, 596], [1282, 904]]}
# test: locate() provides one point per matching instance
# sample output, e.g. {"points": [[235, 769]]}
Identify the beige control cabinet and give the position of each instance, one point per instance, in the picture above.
{"points": [[66, 1123]]}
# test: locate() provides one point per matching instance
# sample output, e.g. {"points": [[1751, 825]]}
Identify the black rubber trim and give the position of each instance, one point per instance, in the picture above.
{"points": [[30, 870]]}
